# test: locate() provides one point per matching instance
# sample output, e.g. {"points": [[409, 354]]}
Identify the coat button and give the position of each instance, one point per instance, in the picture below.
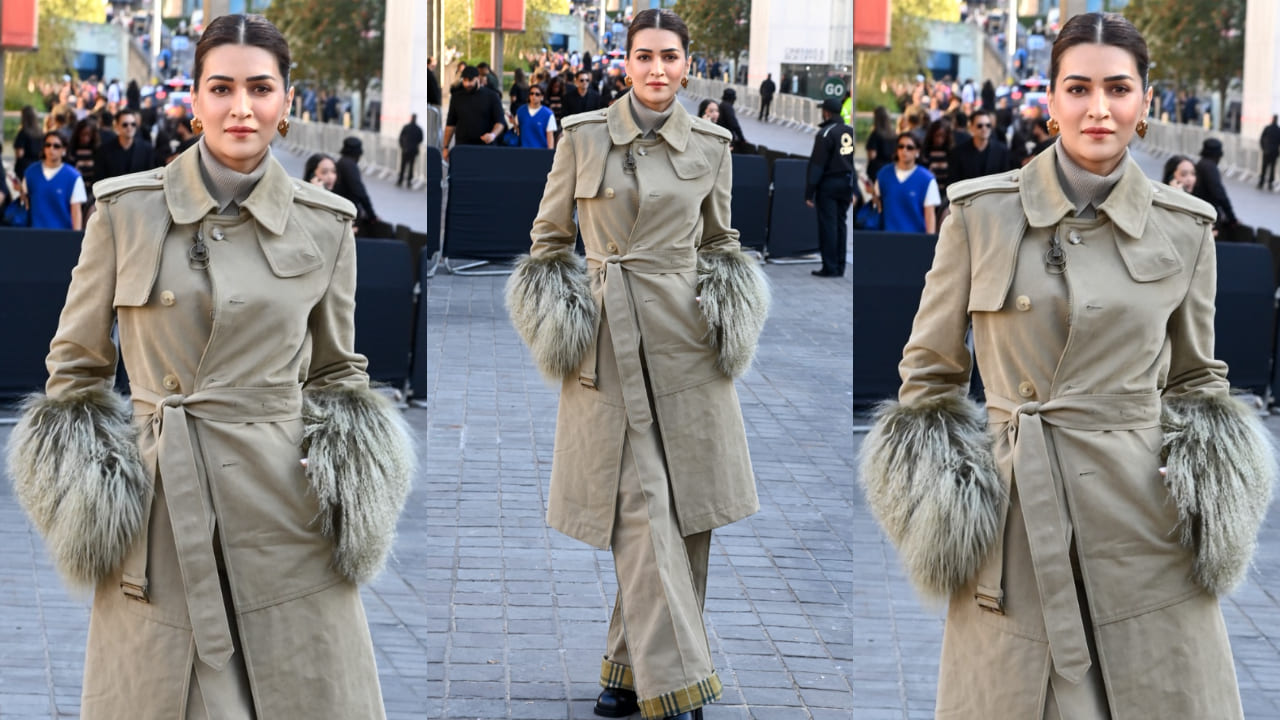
{"points": [[166, 297], [1023, 303], [217, 233], [1073, 237], [612, 248], [608, 192], [170, 382], [1026, 389]]}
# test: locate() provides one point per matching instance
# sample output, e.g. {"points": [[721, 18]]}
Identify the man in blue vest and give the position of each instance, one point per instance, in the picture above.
{"points": [[55, 191], [829, 187]]}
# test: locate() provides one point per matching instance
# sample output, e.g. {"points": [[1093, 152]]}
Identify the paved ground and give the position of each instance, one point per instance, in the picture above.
{"points": [[523, 610]]}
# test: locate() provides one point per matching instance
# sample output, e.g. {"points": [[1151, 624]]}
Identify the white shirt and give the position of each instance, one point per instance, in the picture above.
{"points": [[932, 198], [78, 195]]}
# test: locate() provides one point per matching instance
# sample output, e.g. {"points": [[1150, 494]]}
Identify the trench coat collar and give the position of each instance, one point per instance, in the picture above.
{"points": [[1045, 203], [623, 128], [190, 201]]}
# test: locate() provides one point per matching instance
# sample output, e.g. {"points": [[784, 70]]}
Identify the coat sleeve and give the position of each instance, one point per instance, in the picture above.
{"points": [[360, 456], [927, 466], [734, 293], [73, 456], [548, 296], [1220, 460]]}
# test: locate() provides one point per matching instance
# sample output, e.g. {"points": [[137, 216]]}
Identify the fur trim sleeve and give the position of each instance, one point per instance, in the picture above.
{"points": [[77, 473], [932, 483], [549, 299], [1221, 471], [360, 463], [735, 302]]}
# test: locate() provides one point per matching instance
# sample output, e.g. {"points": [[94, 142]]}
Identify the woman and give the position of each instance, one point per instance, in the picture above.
{"points": [[880, 142], [709, 110], [27, 149], [519, 92], [907, 193], [320, 170], [1085, 533], [1180, 172], [650, 449], [938, 143], [536, 123], [54, 191], [84, 144], [555, 98], [225, 526]]}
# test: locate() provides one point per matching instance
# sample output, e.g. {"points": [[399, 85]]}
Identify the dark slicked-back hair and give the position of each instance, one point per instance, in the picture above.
{"points": [[658, 19], [253, 30], [1101, 29]]}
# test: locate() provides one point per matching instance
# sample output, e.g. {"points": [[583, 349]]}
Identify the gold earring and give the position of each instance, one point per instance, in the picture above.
{"points": [[1053, 127], [1142, 128], [627, 81], [684, 82], [282, 127], [196, 125]]}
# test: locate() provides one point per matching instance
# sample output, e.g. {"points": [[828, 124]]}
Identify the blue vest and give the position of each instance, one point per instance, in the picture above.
{"points": [[51, 199], [533, 128], [903, 202]]}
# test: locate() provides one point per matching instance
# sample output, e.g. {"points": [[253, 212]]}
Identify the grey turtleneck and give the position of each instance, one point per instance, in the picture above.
{"points": [[1084, 189], [228, 187], [649, 120]]}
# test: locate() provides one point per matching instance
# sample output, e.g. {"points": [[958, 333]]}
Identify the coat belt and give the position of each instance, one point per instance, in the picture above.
{"points": [[177, 465], [1046, 535], [616, 300]]}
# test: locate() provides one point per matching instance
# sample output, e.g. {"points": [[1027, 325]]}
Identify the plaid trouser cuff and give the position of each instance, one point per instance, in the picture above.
{"points": [[682, 700], [615, 675]]}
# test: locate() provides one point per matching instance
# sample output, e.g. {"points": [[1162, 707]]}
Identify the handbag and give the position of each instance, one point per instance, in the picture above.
{"points": [[17, 215], [868, 218]]}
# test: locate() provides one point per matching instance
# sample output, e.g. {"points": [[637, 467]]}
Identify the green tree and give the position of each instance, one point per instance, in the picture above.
{"points": [[53, 58], [908, 38], [334, 43], [458, 21], [1192, 42], [718, 27]]}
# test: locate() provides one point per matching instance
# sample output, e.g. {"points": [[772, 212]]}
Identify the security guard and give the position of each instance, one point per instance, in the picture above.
{"points": [[829, 187]]}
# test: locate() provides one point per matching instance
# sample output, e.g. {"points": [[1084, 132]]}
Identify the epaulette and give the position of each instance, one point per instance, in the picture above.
{"points": [[702, 125], [310, 195], [145, 180], [591, 116], [965, 191], [1174, 199]]}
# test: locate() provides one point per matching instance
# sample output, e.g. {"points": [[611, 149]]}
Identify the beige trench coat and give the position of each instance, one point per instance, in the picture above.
{"points": [[216, 360], [1083, 359], [643, 235]]}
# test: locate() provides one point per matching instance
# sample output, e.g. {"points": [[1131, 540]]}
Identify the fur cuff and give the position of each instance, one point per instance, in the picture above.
{"points": [[735, 303], [360, 463], [932, 483], [549, 299], [77, 474], [1221, 468]]}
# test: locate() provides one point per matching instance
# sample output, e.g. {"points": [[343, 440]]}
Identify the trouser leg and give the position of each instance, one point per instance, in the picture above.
{"points": [[661, 587], [828, 243]]}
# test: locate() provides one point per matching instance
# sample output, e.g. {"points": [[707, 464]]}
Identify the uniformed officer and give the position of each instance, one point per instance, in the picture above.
{"points": [[829, 187]]}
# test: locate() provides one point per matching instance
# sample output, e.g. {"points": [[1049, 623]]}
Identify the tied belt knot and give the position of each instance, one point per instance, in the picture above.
{"points": [[615, 298], [1046, 534], [177, 468]]}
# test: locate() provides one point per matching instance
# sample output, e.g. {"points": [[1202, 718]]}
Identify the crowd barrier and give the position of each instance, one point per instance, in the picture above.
{"points": [[494, 194], [37, 271], [888, 277], [1241, 156]]}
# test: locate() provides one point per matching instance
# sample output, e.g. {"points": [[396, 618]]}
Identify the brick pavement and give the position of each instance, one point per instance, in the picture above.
{"points": [[522, 611]]}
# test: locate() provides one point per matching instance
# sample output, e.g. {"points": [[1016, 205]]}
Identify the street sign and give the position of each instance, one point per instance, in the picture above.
{"points": [[834, 87], [18, 24]]}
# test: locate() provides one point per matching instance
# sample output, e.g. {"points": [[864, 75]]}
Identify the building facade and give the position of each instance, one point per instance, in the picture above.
{"points": [[800, 44]]}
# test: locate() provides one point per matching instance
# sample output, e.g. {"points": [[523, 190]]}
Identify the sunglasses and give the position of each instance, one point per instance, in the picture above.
{"points": [[128, 124], [535, 94], [906, 147], [982, 126], [54, 145]]}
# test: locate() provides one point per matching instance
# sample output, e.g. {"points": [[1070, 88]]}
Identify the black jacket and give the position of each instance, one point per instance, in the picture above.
{"points": [[1210, 189], [729, 121], [472, 114], [112, 160], [1270, 139], [351, 186], [411, 137], [575, 103], [968, 162], [832, 156], [768, 88], [433, 89]]}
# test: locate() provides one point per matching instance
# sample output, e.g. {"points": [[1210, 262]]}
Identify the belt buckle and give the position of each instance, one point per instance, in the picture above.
{"points": [[135, 591], [992, 603]]}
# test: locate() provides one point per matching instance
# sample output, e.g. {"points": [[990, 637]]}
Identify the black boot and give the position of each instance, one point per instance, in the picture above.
{"points": [[616, 703], [691, 715]]}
